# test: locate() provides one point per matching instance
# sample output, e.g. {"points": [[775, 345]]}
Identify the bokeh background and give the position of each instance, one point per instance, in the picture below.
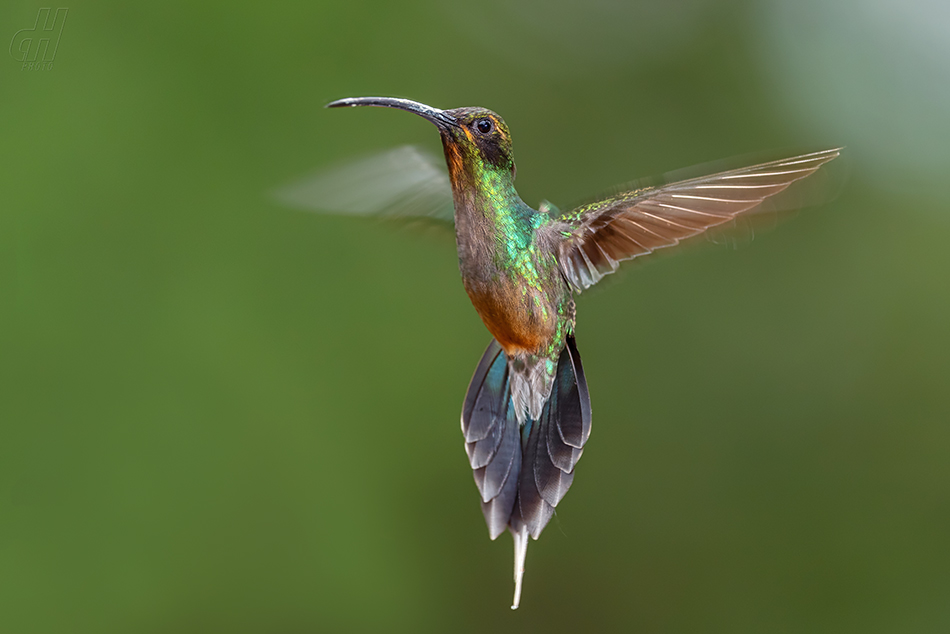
{"points": [[221, 415]]}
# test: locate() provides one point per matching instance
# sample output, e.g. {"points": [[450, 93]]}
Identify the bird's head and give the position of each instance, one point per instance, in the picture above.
{"points": [[477, 142]]}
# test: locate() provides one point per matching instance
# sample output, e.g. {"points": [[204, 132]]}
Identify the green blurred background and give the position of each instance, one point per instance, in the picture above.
{"points": [[221, 415]]}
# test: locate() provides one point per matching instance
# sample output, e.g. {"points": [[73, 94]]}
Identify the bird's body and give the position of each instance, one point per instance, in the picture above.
{"points": [[509, 270], [526, 416]]}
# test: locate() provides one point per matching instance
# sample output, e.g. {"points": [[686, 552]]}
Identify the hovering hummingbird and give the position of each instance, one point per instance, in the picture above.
{"points": [[526, 415]]}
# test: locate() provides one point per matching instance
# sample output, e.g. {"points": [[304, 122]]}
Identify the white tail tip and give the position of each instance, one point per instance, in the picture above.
{"points": [[521, 550]]}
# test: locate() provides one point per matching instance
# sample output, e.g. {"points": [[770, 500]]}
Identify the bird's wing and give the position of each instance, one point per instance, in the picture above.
{"points": [[404, 182], [594, 238]]}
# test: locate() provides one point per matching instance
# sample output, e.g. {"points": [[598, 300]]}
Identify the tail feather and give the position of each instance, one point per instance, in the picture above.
{"points": [[555, 444], [551, 480], [532, 512], [491, 434], [487, 391], [573, 409], [522, 474], [520, 539]]}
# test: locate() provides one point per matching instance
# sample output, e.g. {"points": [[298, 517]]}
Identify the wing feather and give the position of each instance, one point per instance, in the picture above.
{"points": [[595, 238], [404, 182]]}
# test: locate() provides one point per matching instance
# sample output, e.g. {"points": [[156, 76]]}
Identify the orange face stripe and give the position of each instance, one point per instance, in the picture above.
{"points": [[454, 161]]}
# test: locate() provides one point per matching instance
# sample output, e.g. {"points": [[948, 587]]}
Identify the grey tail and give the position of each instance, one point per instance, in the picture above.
{"points": [[522, 474]]}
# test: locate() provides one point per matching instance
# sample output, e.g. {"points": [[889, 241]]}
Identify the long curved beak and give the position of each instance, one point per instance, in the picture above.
{"points": [[440, 118]]}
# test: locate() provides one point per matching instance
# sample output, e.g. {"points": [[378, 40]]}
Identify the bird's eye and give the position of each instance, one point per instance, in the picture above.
{"points": [[484, 125]]}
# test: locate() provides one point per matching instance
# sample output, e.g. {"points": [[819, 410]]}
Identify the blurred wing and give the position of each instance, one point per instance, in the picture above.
{"points": [[404, 182], [595, 238]]}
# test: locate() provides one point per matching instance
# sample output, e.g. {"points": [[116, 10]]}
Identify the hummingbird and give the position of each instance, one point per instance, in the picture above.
{"points": [[526, 416]]}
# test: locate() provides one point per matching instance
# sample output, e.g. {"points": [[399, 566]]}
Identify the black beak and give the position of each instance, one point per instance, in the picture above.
{"points": [[440, 118]]}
